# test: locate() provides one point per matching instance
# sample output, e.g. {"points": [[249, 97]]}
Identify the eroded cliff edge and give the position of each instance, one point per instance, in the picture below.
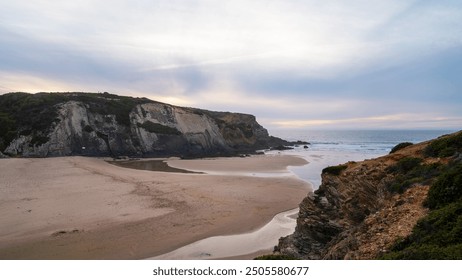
{"points": [[380, 208], [62, 124]]}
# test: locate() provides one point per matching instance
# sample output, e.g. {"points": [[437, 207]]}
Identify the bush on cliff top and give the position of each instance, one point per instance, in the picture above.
{"points": [[400, 146], [334, 170]]}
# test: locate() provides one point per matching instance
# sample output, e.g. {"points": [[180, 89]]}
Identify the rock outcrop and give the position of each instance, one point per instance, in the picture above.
{"points": [[62, 124], [362, 208]]}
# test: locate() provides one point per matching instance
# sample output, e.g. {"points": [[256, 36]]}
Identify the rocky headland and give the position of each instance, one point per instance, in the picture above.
{"points": [[406, 205], [103, 124]]}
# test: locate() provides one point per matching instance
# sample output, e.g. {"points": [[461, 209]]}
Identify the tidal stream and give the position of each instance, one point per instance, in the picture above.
{"points": [[217, 247]]}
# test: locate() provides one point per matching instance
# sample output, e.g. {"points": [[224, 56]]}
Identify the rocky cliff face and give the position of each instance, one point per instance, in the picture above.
{"points": [[60, 124], [362, 208]]}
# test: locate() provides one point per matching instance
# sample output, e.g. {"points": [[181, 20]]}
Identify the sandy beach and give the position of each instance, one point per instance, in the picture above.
{"points": [[86, 208]]}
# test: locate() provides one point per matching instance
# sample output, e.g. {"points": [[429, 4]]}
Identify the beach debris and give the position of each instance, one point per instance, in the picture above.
{"points": [[64, 232]]}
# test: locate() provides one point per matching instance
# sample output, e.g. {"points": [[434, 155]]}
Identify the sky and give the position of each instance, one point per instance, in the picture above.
{"points": [[305, 64]]}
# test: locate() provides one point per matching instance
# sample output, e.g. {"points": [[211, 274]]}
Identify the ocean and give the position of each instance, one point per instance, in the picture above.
{"points": [[373, 141], [333, 147]]}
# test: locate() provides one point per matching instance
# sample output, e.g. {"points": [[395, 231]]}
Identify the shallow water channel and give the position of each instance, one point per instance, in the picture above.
{"points": [[217, 247], [151, 165]]}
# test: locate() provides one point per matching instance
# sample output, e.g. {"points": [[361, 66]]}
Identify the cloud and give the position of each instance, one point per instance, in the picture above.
{"points": [[12, 82], [416, 121], [309, 38], [281, 60]]}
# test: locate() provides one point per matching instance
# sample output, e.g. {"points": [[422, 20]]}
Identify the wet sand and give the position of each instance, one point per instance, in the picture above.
{"points": [[150, 164], [228, 246], [86, 208]]}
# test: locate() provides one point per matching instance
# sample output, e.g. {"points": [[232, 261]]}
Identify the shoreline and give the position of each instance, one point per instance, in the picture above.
{"points": [[85, 208]]}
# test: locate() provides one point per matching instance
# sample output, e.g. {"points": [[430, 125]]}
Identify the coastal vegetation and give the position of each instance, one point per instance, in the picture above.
{"points": [[400, 146], [445, 146], [334, 170], [158, 128], [275, 257], [406, 205], [410, 171], [439, 234]]}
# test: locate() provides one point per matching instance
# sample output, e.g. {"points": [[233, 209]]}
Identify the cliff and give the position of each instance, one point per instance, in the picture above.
{"points": [[406, 205], [62, 124]]}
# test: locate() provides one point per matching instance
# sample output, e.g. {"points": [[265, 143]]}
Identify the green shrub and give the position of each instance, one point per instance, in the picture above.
{"points": [[38, 140], [275, 257], [427, 252], [334, 170], [445, 146], [159, 128], [400, 146], [401, 185], [405, 165], [446, 189], [410, 171], [437, 236], [7, 130]]}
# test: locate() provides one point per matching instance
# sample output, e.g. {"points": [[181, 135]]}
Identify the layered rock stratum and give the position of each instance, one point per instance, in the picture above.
{"points": [[92, 124]]}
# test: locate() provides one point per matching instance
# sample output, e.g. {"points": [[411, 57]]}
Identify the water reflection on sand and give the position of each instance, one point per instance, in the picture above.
{"points": [[218, 247]]}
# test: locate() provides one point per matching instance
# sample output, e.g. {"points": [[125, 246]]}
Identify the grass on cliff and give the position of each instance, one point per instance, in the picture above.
{"points": [[438, 235], [159, 128], [409, 171]]}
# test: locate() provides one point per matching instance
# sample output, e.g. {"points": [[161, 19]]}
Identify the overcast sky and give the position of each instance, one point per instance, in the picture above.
{"points": [[308, 64]]}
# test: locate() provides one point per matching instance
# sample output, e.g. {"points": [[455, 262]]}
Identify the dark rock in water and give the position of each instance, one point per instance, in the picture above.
{"points": [[299, 142], [305, 147], [91, 124], [281, 148]]}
